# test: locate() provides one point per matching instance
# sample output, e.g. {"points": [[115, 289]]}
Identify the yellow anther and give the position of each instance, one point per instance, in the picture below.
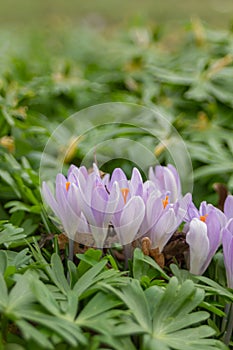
{"points": [[165, 202], [67, 185], [203, 217], [125, 192]]}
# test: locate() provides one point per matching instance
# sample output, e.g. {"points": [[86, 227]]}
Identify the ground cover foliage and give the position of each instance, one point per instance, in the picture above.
{"points": [[48, 301]]}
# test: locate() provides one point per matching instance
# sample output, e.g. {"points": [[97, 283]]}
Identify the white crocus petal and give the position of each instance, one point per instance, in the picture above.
{"points": [[199, 245], [130, 220], [164, 229]]}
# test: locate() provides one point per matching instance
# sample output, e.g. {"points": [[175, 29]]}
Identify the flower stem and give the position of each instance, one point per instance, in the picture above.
{"points": [[4, 328], [224, 321], [128, 251], [71, 250], [228, 333]]}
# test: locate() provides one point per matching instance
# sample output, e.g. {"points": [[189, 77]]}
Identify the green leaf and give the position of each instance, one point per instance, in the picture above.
{"points": [[142, 265], [4, 293], [99, 304], [21, 296], [58, 272], [10, 181], [45, 297], [215, 288], [88, 259], [3, 261], [10, 234], [30, 332], [88, 278]]}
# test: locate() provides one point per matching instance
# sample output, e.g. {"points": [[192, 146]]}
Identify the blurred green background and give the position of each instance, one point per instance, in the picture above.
{"points": [[59, 57], [26, 12]]}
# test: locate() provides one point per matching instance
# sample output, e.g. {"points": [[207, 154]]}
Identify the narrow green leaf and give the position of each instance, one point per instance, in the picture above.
{"points": [[3, 261], [30, 332], [4, 293]]}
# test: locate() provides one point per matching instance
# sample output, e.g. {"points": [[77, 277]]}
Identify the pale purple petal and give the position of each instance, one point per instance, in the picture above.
{"points": [[229, 225], [73, 173], [73, 199], [154, 209], [148, 188], [192, 212], [49, 198], [227, 242], [167, 180], [112, 203], [105, 180], [130, 220], [163, 229], [119, 176], [228, 207], [136, 183], [183, 205], [177, 178], [98, 204], [214, 236], [82, 224], [171, 184]]}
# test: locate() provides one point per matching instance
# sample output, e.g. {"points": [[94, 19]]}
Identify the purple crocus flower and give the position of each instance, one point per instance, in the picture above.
{"points": [[203, 212], [98, 204], [163, 218], [227, 242], [203, 237], [133, 187], [130, 209], [166, 179], [65, 205]]}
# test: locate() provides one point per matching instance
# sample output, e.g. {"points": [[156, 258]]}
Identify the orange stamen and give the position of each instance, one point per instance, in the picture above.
{"points": [[203, 217], [165, 202], [67, 185], [125, 192]]}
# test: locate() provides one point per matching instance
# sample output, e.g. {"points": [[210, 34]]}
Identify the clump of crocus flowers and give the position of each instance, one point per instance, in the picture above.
{"points": [[116, 209]]}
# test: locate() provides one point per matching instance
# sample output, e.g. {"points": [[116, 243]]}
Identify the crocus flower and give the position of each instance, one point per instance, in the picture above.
{"points": [[130, 209], [203, 212], [129, 188], [166, 179], [97, 203], [163, 218], [203, 237], [65, 205], [227, 242]]}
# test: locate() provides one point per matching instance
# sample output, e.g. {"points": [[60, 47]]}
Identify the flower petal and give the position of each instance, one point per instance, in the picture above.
{"points": [[228, 207], [130, 220], [227, 242], [163, 229], [199, 245], [49, 198]]}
